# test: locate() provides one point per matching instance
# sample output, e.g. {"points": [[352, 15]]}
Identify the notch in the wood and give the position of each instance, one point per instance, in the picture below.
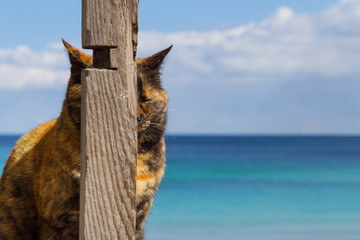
{"points": [[104, 58]]}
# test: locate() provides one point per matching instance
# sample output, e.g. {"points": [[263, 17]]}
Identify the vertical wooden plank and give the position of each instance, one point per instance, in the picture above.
{"points": [[101, 22], [108, 121], [109, 146]]}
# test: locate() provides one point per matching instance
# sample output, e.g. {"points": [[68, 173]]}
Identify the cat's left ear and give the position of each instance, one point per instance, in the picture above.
{"points": [[78, 58], [154, 62]]}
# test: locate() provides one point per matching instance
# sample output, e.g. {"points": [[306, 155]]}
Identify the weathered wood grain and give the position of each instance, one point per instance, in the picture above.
{"points": [[106, 22], [108, 121], [109, 149]]}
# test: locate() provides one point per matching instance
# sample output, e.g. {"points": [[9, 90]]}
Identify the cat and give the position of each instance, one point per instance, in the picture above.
{"points": [[39, 187]]}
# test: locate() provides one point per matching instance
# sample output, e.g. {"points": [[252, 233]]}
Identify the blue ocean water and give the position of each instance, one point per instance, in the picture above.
{"points": [[255, 188]]}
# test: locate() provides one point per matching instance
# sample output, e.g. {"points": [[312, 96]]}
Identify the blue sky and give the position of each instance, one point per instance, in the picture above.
{"points": [[38, 23], [237, 67]]}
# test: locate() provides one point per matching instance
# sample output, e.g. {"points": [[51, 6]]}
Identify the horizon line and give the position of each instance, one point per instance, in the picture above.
{"points": [[238, 134]]}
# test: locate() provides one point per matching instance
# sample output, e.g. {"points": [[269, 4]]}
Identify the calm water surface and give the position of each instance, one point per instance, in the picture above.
{"points": [[276, 188]]}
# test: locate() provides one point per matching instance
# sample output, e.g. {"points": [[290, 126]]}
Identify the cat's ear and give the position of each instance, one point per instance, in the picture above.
{"points": [[78, 58], [154, 62]]}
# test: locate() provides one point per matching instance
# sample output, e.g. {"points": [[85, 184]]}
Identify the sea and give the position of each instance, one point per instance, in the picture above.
{"points": [[254, 188]]}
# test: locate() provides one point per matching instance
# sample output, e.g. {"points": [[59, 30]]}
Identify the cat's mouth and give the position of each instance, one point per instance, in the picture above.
{"points": [[143, 124]]}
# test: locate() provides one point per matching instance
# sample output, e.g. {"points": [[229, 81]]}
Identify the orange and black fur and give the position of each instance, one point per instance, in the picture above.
{"points": [[39, 187]]}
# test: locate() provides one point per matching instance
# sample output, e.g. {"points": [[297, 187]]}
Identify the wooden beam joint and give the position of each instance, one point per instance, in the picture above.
{"points": [[103, 58]]}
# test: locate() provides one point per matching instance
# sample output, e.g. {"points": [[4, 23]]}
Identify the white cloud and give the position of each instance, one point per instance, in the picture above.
{"points": [[15, 77], [344, 17], [290, 73], [21, 68], [284, 44]]}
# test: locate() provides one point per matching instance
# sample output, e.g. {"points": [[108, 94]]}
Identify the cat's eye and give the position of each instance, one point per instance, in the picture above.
{"points": [[144, 99]]}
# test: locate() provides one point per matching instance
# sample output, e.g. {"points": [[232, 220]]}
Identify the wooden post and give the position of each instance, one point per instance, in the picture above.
{"points": [[108, 121]]}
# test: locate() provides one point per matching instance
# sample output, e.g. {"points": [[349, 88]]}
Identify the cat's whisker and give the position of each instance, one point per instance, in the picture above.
{"points": [[156, 124]]}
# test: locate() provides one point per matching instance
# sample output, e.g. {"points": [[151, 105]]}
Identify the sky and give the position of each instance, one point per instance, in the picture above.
{"points": [[237, 67]]}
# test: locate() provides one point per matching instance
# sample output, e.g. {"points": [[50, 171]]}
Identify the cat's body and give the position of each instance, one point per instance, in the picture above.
{"points": [[39, 188]]}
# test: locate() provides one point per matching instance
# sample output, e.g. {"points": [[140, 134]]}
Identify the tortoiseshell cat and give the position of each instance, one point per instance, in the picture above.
{"points": [[39, 187]]}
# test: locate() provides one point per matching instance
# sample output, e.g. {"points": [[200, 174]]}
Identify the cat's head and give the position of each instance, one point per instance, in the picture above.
{"points": [[152, 98]]}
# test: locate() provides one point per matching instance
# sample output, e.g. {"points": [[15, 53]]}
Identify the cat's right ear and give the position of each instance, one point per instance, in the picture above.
{"points": [[78, 59], [154, 62]]}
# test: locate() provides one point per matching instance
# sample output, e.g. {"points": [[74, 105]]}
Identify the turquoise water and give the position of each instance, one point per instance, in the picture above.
{"points": [[255, 188]]}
